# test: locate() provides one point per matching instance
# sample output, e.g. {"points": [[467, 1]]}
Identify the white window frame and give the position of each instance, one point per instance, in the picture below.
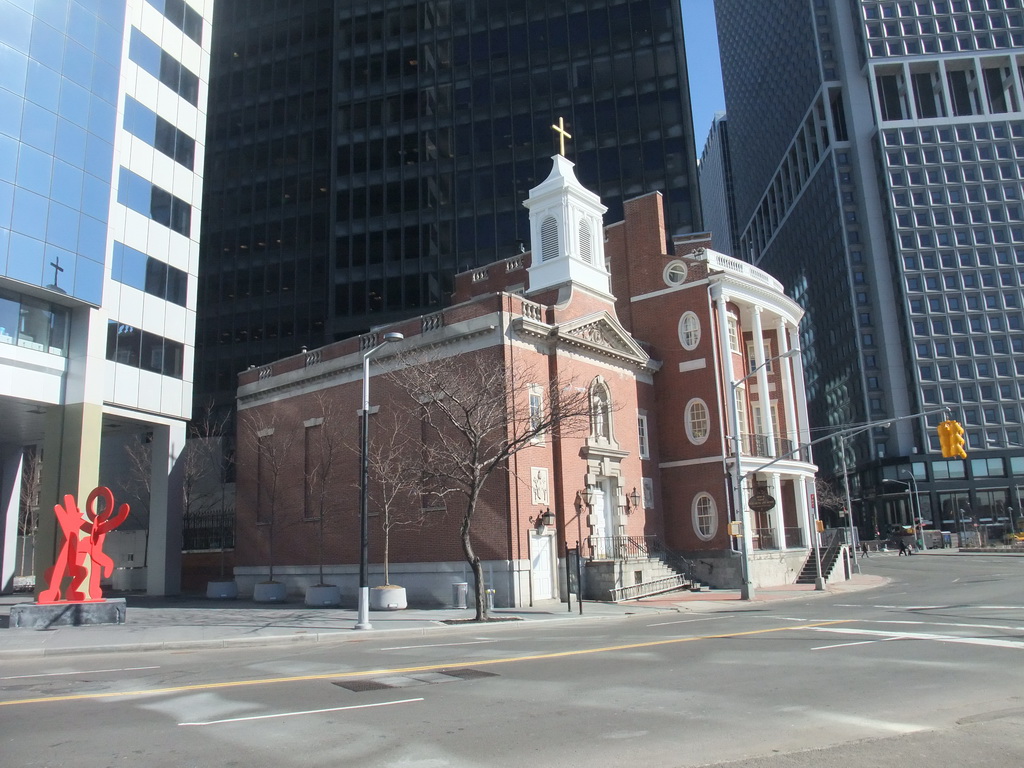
{"points": [[733, 325], [675, 273], [769, 364], [704, 512], [535, 405], [643, 436], [689, 419], [689, 331]]}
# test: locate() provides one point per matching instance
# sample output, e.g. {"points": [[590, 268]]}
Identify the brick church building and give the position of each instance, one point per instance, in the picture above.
{"points": [[673, 342]]}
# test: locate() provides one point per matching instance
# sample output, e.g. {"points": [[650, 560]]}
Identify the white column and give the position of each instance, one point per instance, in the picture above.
{"points": [[800, 393], [729, 401], [803, 520], [11, 460], [764, 398], [163, 554], [788, 401]]}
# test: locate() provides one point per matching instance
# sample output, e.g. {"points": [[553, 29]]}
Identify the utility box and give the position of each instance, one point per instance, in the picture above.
{"points": [[460, 590]]}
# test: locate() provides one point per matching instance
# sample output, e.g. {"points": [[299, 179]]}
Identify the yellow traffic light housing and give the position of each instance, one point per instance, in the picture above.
{"points": [[957, 442], [951, 439]]}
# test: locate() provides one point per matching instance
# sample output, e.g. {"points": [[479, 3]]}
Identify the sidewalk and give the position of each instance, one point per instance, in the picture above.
{"points": [[159, 623]]}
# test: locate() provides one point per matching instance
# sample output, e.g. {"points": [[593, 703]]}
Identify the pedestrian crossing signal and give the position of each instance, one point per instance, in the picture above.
{"points": [[951, 439]]}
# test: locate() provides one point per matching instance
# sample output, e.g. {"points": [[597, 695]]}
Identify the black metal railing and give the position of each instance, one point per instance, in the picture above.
{"points": [[208, 529], [620, 547], [764, 538], [794, 538]]}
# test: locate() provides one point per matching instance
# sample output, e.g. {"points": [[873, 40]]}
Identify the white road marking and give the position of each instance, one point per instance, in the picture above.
{"points": [[306, 712], [990, 642], [688, 621], [859, 642], [437, 645], [83, 672], [952, 624], [868, 722]]}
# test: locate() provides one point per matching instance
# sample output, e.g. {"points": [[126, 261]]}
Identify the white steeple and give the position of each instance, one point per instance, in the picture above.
{"points": [[566, 232]]}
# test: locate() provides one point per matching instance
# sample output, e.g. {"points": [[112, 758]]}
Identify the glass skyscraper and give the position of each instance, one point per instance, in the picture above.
{"points": [[102, 125], [362, 152], [878, 167]]}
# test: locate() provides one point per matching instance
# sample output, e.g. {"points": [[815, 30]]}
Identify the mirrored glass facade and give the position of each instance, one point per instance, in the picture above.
{"points": [[362, 153], [59, 69]]}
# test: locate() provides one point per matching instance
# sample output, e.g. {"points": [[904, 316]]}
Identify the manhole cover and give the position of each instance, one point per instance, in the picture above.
{"points": [[423, 678]]}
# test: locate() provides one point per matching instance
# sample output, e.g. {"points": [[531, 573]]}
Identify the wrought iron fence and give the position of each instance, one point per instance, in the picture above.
{"points": [[794, 537], [208, 529], [764, 538], [621, 547]]}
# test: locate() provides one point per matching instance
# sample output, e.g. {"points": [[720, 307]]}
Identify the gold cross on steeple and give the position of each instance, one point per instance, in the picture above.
{"points": [[563, 135]]}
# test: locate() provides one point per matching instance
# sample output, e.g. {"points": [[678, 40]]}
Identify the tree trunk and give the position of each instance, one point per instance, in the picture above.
{"points": [[474, 561], [320, 545]]}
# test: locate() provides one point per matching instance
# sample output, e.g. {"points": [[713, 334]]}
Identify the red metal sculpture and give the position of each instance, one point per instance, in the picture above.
{"points": [[81, 557]]}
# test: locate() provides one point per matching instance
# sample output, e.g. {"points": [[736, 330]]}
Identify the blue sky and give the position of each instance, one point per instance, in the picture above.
{"points": [[706, 96]]}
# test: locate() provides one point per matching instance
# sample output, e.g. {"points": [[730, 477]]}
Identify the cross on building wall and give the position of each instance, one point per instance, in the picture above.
{"points": [[57, 269]]}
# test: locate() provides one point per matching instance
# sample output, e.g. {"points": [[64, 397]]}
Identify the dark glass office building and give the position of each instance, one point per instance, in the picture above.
{"points": [[876, 150], [362, 152]]}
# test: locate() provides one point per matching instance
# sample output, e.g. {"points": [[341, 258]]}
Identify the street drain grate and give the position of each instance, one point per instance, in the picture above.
{"points": [[358, 686], [468, 674], [396, 681]]}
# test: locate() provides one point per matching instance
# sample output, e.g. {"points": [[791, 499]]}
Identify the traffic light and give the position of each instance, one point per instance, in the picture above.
{"points": [[944, 438], [951, 439], [956, 440]]}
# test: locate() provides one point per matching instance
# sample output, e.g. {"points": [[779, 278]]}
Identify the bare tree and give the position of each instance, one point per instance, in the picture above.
{"points": [[28, 519], [324, 447], [476, 414], [828, 496], [271, 446], [397, 480], [206, 464]]}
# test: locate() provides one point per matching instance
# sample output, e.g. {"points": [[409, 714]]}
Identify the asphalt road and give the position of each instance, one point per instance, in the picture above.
{"points": [[923, 672]]}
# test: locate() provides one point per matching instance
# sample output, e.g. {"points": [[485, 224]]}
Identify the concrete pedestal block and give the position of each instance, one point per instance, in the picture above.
{"points": [[36, 616]]}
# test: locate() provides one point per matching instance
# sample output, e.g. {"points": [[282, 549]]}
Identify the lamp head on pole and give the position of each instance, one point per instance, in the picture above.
{"points": [[393, 336]]}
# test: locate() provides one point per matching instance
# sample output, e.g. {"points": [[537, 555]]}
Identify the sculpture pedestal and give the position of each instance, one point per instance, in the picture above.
{"points": [[36, 616]]}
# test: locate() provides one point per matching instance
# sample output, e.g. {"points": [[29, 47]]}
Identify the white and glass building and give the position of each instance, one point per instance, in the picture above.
{"points": [[102, 125], [881, 178]]}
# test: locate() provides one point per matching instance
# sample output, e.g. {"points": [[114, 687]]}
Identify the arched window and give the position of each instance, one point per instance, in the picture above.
{"points": [[548, 239], [705, 516], [689, 330], [586, 243], [697, 424]]}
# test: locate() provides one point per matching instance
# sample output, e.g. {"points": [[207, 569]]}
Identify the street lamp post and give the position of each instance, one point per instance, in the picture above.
{"points": [[363, 619], [747, 587], [917, 505], [846, 482], [915, 510]]}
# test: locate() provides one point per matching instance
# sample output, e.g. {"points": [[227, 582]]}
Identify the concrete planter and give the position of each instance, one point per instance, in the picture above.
{"points": [[221, 590], [269, 592], [388, 598], [323, 595]]}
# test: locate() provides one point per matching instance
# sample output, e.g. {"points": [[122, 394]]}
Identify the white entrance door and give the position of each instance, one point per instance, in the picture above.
{"points": [[541, 566], [604, 528]]}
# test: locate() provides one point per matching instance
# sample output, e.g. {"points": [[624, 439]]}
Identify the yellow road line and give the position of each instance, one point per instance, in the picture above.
{"points": [[408, 670]]}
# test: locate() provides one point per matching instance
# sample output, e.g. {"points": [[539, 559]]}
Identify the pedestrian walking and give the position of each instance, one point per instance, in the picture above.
{"points": [[864, 549], [903, 548]]}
